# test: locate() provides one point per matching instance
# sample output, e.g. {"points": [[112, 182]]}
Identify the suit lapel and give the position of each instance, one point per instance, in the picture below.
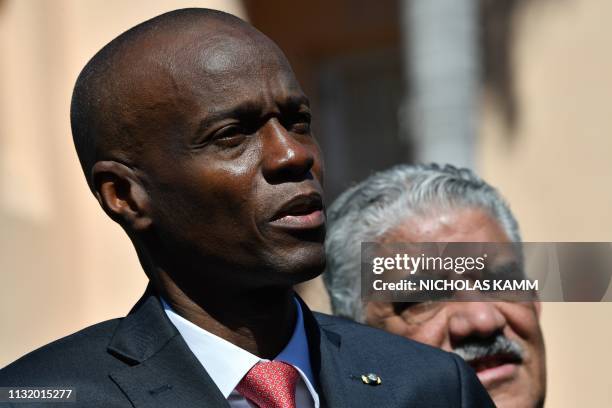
{"points": [[161, 370], [324, 349], [332, 375], [339, 370]]}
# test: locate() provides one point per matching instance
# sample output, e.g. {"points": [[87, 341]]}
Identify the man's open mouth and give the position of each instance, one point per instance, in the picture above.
{"points": [[484, 363], [303, 211]]}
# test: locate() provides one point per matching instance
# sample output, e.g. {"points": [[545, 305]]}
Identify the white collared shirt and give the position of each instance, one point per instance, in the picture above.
{"points": [[227, 364]]}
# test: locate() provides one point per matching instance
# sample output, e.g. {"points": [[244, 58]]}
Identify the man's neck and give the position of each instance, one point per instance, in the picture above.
{"points": [[260, 321]]}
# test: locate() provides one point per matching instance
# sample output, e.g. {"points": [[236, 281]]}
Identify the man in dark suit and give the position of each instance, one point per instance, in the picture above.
{"points": [[195, 137]]}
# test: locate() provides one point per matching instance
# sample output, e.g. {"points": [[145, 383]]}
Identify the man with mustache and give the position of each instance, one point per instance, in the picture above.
{"points": [[195, 137], [502, 341]]}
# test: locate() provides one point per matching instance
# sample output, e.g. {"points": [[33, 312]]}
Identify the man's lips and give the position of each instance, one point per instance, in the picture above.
{"points": [[303, 211], [496, 368]]}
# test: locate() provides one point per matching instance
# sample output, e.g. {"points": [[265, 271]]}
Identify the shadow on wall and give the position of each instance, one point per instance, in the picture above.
{"points": [[497, 36]]}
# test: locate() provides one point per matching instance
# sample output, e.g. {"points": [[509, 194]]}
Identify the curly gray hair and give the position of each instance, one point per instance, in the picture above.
{"points": [[366, 211]]}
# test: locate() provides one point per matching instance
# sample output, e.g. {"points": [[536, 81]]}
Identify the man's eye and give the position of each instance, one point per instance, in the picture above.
{"points": [[301, 127], [228, 131], [229, 136], [399, 307], [298, 123]]}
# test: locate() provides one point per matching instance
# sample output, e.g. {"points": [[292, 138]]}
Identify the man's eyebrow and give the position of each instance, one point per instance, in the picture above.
{"points": [[245, 108], [296, 101], [249, 108]]}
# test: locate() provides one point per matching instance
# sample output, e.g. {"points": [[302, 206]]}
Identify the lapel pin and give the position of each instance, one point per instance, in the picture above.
{"points": [[371, 379]]}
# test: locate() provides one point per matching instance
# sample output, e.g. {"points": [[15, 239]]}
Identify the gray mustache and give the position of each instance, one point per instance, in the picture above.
{"points": [[479, 348]]}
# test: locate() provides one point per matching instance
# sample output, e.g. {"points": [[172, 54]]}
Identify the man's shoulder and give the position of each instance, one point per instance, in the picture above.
{"points": [[415, 371], [355, 332], [386, 346], [64, 359]]}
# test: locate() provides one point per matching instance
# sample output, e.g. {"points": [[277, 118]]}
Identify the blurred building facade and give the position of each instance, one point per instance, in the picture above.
{"points": [[517, 89]]}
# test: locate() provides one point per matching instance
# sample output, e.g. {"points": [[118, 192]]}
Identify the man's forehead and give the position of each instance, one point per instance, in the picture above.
{"points": [[228, 61], [224, 52], [217, 70], [448, 225], [210, 48], [225, 56]]}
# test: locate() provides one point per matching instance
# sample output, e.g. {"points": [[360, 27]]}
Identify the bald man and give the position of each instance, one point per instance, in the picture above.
{"points": [[194, 136]]}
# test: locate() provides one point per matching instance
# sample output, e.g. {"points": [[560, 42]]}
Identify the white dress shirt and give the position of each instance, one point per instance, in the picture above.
{"points": [[227, 364]]}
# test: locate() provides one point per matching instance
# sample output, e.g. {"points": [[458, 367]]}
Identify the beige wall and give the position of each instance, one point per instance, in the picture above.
{"points": [[556, 172]]}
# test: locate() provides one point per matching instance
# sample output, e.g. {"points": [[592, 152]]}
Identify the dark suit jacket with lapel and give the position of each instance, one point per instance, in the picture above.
{"points": [[142, 361]]}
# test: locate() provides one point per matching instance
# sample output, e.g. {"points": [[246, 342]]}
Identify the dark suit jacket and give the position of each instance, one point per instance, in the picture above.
{"points": [[142, 361]]}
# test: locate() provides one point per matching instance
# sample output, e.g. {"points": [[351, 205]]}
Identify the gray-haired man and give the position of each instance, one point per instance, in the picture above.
{"points": [[428, 203]]}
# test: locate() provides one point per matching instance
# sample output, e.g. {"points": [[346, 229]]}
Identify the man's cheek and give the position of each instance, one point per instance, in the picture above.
{"points": [[433, 332], [522, 320], [395, 325]]}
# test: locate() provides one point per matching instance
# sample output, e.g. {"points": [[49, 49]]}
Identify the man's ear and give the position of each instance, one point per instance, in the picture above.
{"points": [[121, 194]]}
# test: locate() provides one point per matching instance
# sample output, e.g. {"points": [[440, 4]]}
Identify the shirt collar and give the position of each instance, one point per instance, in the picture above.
{"points": [[296, 351], [227, 364]]}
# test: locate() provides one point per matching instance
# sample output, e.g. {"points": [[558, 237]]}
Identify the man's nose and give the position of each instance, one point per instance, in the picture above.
{"points": [[285, 158], [474, 319]]}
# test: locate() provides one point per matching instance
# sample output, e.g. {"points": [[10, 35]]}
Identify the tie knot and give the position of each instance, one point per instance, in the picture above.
{"points": [[270, 384]]}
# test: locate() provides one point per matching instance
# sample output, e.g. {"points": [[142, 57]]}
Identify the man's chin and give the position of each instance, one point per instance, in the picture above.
{"points": [[302, 263], [512, 393], [513, 400], [306, 271]]}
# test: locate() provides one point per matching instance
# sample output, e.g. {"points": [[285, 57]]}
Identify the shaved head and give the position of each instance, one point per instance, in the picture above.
{"points": [[129, 88], [190, 128]]}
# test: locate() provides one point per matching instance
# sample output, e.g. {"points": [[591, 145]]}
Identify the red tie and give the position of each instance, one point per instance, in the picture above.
{"points": [[270, 384]]}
